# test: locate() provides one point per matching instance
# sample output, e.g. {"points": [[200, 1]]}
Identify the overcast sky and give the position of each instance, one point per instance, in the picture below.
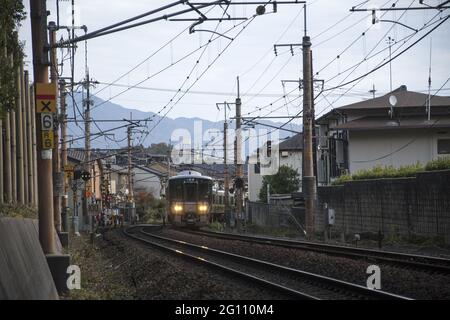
{"points": [[251, 55]]}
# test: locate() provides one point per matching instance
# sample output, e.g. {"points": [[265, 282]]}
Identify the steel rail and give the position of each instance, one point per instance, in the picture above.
{"points": [[242, 275], [350, 289], [426, 263]]}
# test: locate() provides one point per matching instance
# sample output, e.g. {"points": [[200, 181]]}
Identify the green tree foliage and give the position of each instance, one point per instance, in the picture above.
{"points": [[11, 14], [149, 208], [286, 180], [159, 148]]}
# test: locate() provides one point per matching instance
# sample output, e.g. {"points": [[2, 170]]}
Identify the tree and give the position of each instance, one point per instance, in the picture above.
{"points": [[286, 180], [11, 14], [159, 148]]}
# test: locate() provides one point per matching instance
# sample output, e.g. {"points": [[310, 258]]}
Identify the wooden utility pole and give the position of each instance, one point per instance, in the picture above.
{"points": [[238, 161], [55, 151], [309, 179], [38, 14], [63, 139]]}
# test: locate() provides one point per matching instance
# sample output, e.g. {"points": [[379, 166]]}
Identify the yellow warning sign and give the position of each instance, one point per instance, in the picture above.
{"points": [[47, 139], [46, 97], [68, 167]]}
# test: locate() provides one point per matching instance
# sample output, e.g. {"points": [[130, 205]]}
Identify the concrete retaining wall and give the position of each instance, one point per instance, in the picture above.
{"points": [[408, 207], [24, 272]]}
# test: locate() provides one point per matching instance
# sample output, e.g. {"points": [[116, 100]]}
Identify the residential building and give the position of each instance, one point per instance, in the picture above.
{"points": [[290, 154], [390, 130]]}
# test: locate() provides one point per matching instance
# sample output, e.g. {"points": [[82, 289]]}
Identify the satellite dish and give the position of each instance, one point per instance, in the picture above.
{"points": [[392, 100], [260, 10]]}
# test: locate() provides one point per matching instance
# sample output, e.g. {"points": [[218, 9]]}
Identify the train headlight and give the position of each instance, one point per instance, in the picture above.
{"points": [[203, 208], [177, 208]]}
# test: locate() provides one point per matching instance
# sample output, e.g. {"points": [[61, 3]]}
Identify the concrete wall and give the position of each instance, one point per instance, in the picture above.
{"points": [[24, 270], [403, 147], [407, 207]]}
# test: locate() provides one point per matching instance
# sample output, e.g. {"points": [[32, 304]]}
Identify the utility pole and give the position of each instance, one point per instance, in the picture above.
{"points": [[309, 179], [239, 182], [38, 13], [63, 139], [87, 146], [373, 91], [130, 177], [55, 152], [225, 164]]}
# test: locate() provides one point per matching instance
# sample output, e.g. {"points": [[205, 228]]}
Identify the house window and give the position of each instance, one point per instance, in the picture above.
{"points": [[258, 168], [443, 146]]}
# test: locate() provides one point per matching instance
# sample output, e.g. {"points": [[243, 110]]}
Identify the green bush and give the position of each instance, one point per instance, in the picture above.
{"points": [[441, 163], [379, 172], [341, 179]]}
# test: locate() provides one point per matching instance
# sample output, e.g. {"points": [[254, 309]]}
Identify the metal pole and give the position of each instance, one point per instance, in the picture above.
{"points": [[55, 152], [38, 13], [308, 117]]}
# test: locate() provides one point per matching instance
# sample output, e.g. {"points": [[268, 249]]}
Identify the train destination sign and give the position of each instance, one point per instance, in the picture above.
{"points": [[46, 97]]}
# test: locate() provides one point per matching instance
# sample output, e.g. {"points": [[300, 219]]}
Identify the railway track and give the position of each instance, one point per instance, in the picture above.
{"points": [[292, 283], [417, 262]]}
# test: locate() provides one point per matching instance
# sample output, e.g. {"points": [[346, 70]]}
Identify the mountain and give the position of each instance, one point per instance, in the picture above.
{"points": [[101, 110]]}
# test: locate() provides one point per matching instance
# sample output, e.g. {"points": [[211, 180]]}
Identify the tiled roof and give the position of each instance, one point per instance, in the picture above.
{"points": [[404, 97]]}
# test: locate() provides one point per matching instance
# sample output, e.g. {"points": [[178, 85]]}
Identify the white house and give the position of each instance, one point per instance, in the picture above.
{"points": [[290, 154], [390, 130]]}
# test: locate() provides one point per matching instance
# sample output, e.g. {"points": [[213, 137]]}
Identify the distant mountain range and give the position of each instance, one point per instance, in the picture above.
{"points": [[162, 133]]}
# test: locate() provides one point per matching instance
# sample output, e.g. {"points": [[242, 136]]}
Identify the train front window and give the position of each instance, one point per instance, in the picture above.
{"points": [[204, 190], [190, 192], [176, 190]]}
